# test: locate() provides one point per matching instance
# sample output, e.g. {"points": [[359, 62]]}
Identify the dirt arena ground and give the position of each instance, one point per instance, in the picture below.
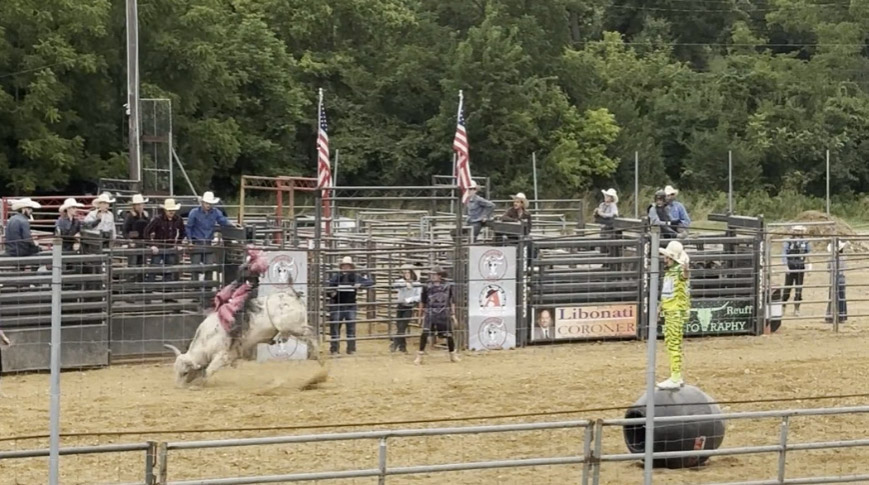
{"points": [[802, 360]]}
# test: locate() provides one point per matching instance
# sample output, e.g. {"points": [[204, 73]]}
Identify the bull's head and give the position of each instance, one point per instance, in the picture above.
{"points": [[186, 371]]}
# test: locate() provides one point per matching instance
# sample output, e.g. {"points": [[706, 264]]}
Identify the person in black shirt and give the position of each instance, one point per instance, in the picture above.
{"points": [[68, 225], [437, 308], [343, 287], [133, 230]]}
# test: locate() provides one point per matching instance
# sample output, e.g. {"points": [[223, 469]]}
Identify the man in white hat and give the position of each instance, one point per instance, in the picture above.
{"points": [[479, 210], [133, 230], [676, 307], [518, 212], [608, 209], [101, 218], [19, 240], [678, 213], [794, 251], [164, 233], [343, 287], [201, 223], [68, 225]]}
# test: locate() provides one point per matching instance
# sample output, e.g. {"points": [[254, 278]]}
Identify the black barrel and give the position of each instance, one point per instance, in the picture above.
{"points": [[678, 435]]}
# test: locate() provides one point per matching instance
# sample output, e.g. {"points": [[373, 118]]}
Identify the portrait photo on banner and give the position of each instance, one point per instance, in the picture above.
{"points": [[543, 328]]}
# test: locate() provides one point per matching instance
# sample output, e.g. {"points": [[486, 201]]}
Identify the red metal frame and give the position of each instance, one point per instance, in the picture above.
{"points": [[280, 185]]}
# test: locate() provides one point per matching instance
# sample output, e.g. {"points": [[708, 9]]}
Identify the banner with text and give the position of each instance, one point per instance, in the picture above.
{"points": [[720, 317], [602, 321], [491, 297]]}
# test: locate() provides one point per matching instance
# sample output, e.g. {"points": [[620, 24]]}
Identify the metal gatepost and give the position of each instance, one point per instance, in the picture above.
{"points": [[381, 461]]}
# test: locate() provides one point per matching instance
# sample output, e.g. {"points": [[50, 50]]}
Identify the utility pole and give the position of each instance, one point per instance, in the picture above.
{"points": [[133, 91]]}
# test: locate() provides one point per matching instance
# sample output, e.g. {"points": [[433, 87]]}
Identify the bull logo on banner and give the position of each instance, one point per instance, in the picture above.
{"points": [[493, 333], [493, 265], [493, 296], [704, 315], [283, 271]]}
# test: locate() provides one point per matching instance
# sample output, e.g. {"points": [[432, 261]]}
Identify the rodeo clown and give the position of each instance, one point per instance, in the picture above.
{"points": [[675, 306]]}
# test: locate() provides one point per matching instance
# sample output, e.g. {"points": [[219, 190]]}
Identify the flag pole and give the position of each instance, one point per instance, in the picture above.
{"points": [[455, 158], [326, 200]]}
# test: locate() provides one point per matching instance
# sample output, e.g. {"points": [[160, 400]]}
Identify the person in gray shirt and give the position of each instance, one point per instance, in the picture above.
{"points": [[479, 210]]}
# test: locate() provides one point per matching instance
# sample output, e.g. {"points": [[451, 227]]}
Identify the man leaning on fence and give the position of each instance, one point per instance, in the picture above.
{"points": [[133, 230], [201, 223], [678, 212], [479, 210], [19, 240], [68, 225], [164, 233], [101, 218]]}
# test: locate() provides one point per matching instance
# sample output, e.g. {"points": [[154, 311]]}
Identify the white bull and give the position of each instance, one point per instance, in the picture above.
{"points": [[282, 315]]}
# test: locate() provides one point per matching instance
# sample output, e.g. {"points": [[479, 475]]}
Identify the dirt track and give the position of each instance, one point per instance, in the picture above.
{"points": [[802, 360]]}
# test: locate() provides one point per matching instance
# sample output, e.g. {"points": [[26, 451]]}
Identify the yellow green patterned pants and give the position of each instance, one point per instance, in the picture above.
{"points": [[674, 321]]}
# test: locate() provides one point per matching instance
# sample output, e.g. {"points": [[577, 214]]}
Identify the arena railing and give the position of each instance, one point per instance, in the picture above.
{"points": [[149, 447]]}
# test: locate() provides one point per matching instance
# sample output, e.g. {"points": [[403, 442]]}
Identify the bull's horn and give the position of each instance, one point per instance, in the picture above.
{"points": [[173, 349]]}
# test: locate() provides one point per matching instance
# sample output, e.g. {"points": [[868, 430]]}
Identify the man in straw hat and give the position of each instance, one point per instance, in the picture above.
{"points": [[101, 218], [409, 293], [201, 223], [678, 213], [518, 212], [794, 251], [479, 210], [19, 240], [437, 308], [343, 287], [675, 306], [68, 226], [164, 233]]}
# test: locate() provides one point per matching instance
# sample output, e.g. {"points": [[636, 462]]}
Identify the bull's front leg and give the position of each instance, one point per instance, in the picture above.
{"points": [[222, 359]]}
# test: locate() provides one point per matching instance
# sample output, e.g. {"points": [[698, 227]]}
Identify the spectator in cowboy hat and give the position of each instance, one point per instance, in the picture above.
{"points": [[437, 309], [343, 287], [68, 225], [409, 292], [133, 230], [201, 223], [164, 233], [794, 251], [676, 307], [101, 218], [518, 212], [19, 240], [608, 209], [837, 261], [659, 215], [678, 213], [479, 210]]}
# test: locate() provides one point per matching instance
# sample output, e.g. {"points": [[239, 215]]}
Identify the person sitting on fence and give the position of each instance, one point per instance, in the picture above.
{"points": [[659, 215], [68, 225], [437, 308], [838, 262], [101, 218], [678, 213], [607, 211], [479, 210], [165, 232], [344, 286], [201, 223], [19, 240], [794, 253], [133, 230], [518, 212], [676, 307], [409, 291]]}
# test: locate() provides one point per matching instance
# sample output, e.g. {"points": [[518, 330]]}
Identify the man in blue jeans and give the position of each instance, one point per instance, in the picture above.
{"points": [[343, 287], [201, 223]]}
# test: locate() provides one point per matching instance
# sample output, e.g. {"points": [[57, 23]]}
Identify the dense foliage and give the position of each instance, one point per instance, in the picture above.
{"points": [[584, 84]]}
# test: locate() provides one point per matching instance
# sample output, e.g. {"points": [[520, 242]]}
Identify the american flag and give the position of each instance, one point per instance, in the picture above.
{"points": [[463, 158], [324, 171]]}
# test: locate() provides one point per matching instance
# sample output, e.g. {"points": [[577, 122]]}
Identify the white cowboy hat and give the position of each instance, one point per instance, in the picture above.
{"points": [[25, 203], [347, 260], [139, 199], [842, 245], [669, 190], [104, 197], [209, 198], [521, 196], [612, 193], [171, 205], [799, 228], [69, 203], [675, 251]]}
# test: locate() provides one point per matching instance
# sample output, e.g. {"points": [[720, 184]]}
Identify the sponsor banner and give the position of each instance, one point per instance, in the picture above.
{"points": [[286, 268], [719, 317], [614, 320], [491, 297], [292, 349]]}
